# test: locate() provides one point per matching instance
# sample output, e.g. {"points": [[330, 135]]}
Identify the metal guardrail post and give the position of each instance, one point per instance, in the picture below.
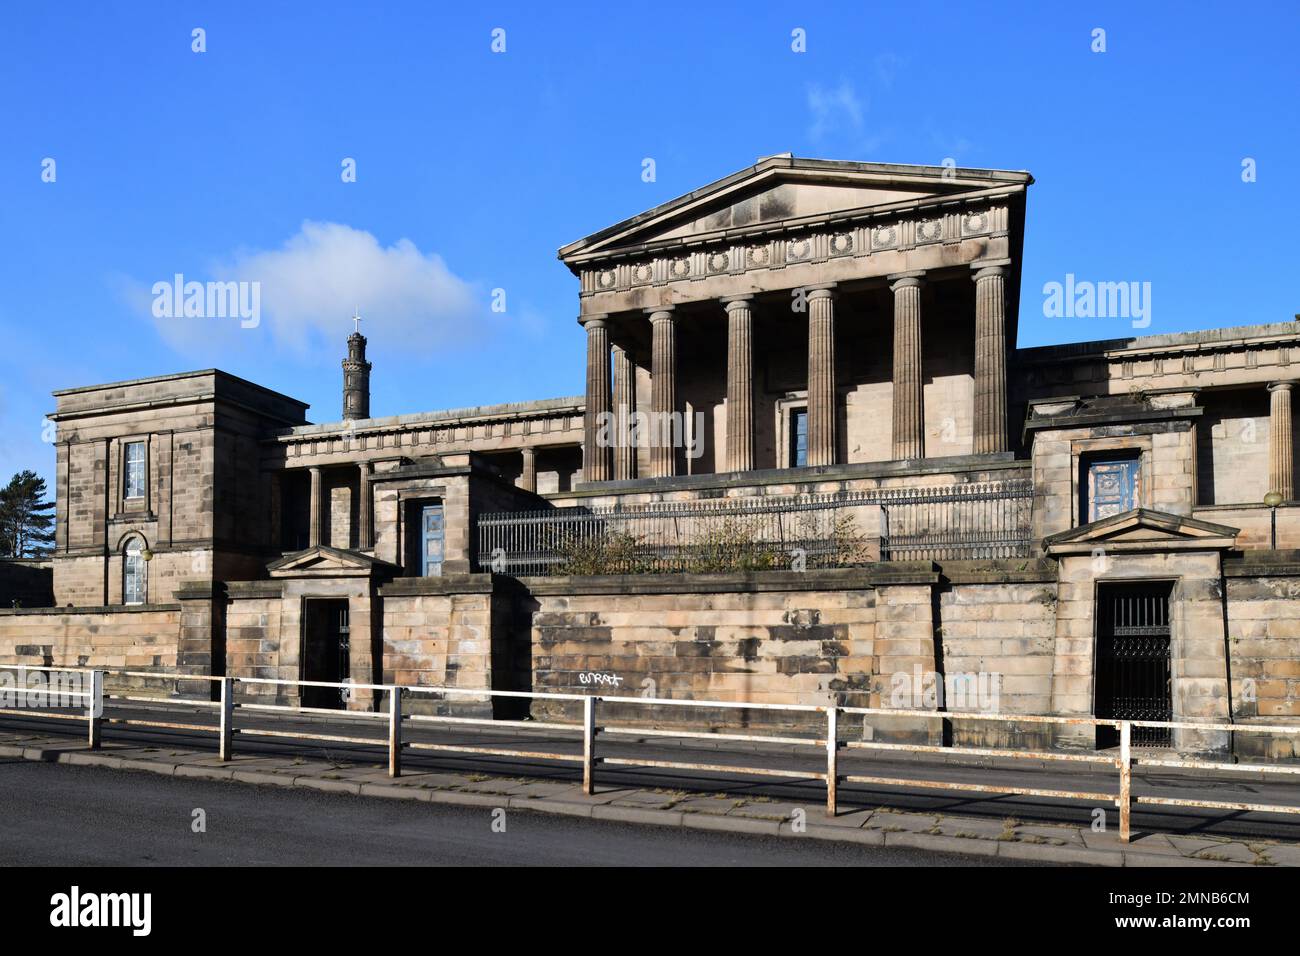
{"points": [[588, 743], [1125, 780], [225, 746], [394, 731], [95, 709], [832, 759]]}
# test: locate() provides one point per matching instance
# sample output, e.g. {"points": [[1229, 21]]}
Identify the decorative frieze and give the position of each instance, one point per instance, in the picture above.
{"points": [[862, 239]]}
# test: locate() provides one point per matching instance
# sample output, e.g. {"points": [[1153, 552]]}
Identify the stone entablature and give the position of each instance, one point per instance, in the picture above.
{"points": [[1212, 358], [875, 241], [490, 427], [153, 394]]}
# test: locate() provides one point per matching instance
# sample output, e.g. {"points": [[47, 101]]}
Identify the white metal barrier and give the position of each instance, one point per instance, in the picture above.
{"points": [[1123, 761]]}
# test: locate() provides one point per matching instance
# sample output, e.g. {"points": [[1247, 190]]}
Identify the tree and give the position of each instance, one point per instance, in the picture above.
{"points": [[26, 518]]}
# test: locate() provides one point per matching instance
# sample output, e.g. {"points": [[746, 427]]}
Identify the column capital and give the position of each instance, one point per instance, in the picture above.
{"points": [[825, 290], [1285, 385], [986, 268], [737, 301], [597, 320], [906, 280], [663, 313]]}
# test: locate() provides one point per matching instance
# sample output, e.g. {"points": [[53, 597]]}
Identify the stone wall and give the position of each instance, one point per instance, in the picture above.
{"points": [[998, 646], [438, 632], [775, 638], [1255, 524], [1263, 619], [142, 637]]}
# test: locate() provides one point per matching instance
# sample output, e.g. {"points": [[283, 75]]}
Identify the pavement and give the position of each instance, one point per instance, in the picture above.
{"points": [[719, 803]]}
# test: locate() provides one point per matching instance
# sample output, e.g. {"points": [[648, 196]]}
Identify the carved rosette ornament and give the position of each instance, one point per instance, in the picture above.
{"points": [[929, 230]]}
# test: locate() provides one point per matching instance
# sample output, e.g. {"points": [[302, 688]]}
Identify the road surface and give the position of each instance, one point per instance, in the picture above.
{"points": [[58, 815]]}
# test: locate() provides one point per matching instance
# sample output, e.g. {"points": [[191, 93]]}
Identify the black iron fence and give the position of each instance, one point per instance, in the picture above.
{"points": [[775, 532], [955, 522]]}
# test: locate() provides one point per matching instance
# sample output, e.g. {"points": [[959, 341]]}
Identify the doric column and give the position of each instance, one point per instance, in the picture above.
{"points": [[821, 376], [624, 406], [528, 473], [595, 422], [663, 392], [314, 522], [909, 411], [740, 383], [1281, 454], [990, 360], [366, 509]]}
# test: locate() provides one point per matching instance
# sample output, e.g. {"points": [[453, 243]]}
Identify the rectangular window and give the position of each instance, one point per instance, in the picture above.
{"points": [[133, 574], [134, 474], [1112, 485], [798, 438]]}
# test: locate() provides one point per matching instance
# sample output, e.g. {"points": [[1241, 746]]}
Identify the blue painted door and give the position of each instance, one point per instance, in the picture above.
{"points": [[431, 540], [1112, 488], [799, 438]]}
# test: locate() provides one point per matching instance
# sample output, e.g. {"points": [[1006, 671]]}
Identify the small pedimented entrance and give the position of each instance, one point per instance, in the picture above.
{"points": [[1140, 627]]}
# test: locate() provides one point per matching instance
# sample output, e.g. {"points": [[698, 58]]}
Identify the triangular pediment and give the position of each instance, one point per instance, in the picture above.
{"points": [[325, 562], [787, 190], [1143, 530]]}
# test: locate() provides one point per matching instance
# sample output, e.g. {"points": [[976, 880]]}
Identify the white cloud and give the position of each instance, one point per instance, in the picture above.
{"points": [[309, 288], [312, 284], [833, 109]]}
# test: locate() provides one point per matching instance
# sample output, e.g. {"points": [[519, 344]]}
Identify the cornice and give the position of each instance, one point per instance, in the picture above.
{"points": [[851, 234]]}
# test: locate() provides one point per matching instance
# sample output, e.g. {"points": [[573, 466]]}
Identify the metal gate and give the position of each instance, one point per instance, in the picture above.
{"points": [[1132, 665]]}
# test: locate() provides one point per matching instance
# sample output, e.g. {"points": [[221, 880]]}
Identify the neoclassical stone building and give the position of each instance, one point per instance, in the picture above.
{"points": [[810, 463]]}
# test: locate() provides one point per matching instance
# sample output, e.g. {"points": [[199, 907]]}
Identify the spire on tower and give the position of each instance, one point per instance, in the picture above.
{"points": [[356, 374]]}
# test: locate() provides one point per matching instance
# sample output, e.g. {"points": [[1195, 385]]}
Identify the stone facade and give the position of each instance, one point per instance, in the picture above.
{"points": [[814, 327]]}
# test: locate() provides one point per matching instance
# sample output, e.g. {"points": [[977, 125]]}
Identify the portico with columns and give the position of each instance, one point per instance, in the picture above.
{"points": [[802, 313]]}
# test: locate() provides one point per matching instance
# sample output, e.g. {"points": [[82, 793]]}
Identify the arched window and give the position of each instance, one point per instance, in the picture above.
{"points": [[135, 588]]}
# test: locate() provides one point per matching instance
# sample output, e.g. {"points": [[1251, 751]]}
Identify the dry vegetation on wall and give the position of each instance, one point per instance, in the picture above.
{"points": [[733, 545]]}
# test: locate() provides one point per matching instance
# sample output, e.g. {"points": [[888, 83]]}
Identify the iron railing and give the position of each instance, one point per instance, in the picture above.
{"points": [[829, 741], [840, 529], [987, 520]]}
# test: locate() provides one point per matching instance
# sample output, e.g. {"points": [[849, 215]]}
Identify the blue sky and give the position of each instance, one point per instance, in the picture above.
{"points": [[473, 167]]}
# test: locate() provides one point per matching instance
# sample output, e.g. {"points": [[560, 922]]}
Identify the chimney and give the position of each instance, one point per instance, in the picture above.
{"points": [[356, 376]]}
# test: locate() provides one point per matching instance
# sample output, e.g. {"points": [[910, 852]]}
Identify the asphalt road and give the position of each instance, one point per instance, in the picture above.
{"points": [[58, 815]]}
